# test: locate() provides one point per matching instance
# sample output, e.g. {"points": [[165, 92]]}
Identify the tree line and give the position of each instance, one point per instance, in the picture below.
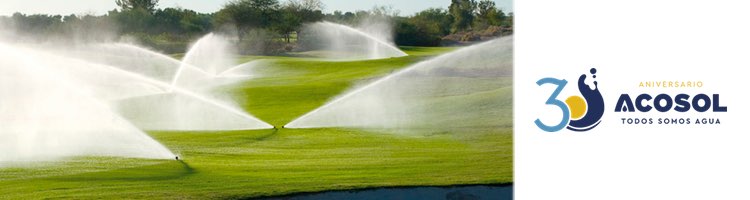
{"points": [[270, 25]]}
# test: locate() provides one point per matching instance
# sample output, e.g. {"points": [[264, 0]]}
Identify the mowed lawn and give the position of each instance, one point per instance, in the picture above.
{"points": [[246, 164]]}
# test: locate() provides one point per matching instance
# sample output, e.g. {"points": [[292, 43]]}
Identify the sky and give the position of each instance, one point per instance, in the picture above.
{"points": [[99, 7]]}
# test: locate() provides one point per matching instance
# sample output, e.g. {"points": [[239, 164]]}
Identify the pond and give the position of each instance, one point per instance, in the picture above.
{"points": [[469, 192]]}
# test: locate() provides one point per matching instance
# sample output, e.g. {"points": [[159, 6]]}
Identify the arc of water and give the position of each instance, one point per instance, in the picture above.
{"points": [[178, 73], [130, 46], [359, 32], [347, 95], [294, 122], [164, 152], [176, 77], [156, 54], [179, 90], [179, 64], [224, 73], [184, 63], [171, 59]]}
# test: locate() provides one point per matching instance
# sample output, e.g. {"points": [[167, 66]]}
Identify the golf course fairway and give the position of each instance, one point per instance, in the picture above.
{"points": [[258, 163]]}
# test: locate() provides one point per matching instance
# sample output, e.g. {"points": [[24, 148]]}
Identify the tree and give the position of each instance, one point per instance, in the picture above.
{"points": [[500, 18], [181, 21], [508, 20], [168, 20], [309, 4], [488, 14], [248, 14], [37, 24], [485, 8], [463, 14], [135, 16], [147, 5], [294, 13], [289, 22], [135, 20], [386, 11], [70, 18], [436, 18], [413, 33], [426, 28], [340, 17]]}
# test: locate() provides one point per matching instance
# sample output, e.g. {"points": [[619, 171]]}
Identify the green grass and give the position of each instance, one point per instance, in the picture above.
{"points": [[243, 164]]}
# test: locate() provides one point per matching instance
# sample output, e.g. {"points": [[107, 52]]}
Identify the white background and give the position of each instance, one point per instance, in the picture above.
{"points": [[632, 41]]}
